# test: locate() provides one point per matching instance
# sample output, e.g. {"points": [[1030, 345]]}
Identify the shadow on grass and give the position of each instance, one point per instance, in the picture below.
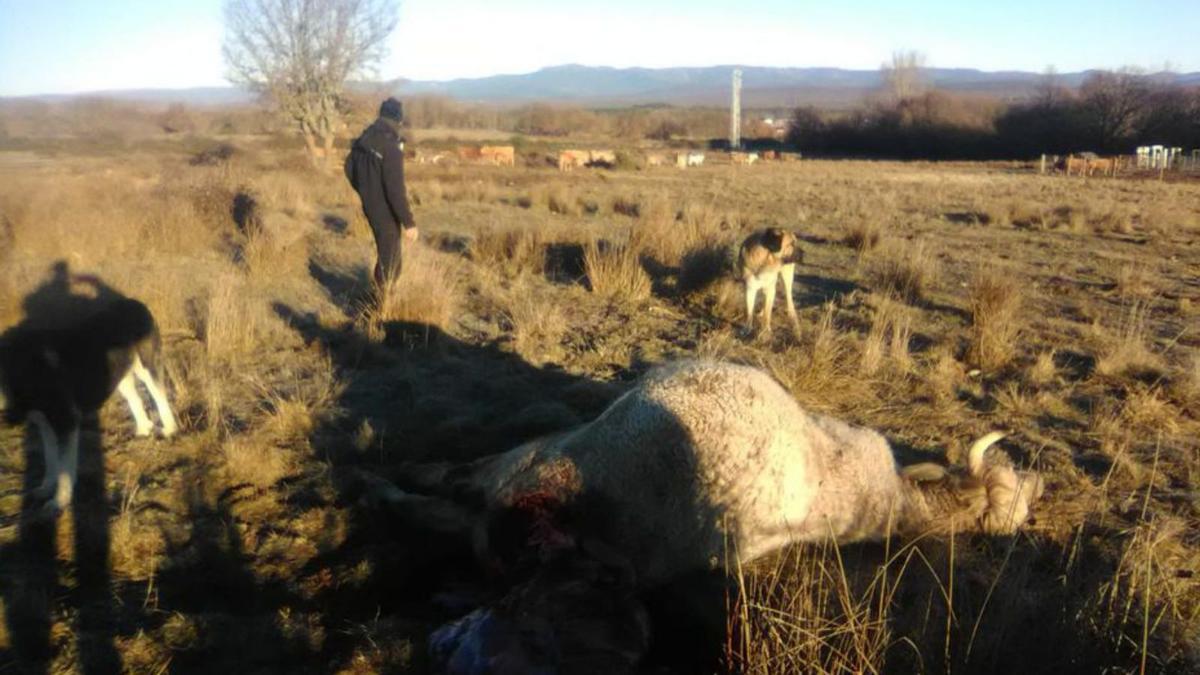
{"points": [[32, 578], [447, 400]]}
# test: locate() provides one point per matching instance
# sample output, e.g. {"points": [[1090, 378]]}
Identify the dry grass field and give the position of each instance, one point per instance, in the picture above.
{"points": [[937, 301]]}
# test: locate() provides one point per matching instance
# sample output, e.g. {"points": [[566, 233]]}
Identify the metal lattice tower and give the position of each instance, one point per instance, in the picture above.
{"points": [[735, 112]]}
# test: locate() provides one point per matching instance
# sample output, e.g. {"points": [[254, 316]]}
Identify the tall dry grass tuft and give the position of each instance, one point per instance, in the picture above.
{"points": [[427, 291], [902, 270], [944, 377], [656, 232], [293, 406], [862, 235], [626, 206], [889, 336], [667, 235], [1029, 214], [537, 326], [995, 212], [249, 462], [822, 361], [480, 191], [1149, 604], [427, 192], [1185, 384], [285, 192], [1135, 281], [556, 197], [996, 302], [232, 325], [1146, 411], [1073, 218], [514, 250], [615, 270], [92, 218], [705, 264], [562, 200], [1112, 217], [1128, 352], [803, 612], [1043, 371]]}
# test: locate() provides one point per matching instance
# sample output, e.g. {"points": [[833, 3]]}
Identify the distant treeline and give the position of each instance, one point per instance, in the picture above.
{"points": [[544, 119], [1112, 112]]}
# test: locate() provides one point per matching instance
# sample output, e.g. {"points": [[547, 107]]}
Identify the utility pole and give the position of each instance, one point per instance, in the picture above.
{"points": [[735, 112]]}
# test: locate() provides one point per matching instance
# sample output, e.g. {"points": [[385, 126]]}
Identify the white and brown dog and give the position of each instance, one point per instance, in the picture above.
{"points": [[53, 378], [764, 256]]}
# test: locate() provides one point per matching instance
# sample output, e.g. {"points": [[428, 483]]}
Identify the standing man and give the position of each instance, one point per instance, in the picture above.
{"points": [[375, 168]]}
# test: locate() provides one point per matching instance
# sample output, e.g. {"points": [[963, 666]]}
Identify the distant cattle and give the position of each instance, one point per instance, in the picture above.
{"points": [[656, 159], [571, 159], [1088, 164], [1103, 166], [686, 159], [746, 158], [429, 157], [1071, 165], [602, 158], [500, 155], [767, 155], [468, 153]]}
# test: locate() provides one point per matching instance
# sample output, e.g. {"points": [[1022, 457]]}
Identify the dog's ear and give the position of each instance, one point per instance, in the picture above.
{"points": [[773, 239], [797, 256]]}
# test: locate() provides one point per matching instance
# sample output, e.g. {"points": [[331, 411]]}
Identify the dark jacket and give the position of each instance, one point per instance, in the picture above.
{"points": [[375, 167]]}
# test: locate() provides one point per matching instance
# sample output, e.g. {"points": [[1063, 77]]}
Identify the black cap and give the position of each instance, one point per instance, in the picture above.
{"points": [[391, 109]]}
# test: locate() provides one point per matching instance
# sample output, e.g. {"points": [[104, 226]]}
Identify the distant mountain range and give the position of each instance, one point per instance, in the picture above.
{"points": [[602, 86], [201, 96], [761, 86]]}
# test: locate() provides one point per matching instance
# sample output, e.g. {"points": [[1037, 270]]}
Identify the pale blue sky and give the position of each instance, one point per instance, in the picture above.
{"points": [[60, 46]]}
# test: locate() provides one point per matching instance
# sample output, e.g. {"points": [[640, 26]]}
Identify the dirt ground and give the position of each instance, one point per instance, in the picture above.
{"points": [[936, 302]]}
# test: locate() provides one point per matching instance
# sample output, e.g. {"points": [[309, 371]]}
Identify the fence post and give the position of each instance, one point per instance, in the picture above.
{"points": [[1042, 167]]}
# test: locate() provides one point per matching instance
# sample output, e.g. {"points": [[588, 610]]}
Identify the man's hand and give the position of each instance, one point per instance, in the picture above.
{"points": [[410, 234]]}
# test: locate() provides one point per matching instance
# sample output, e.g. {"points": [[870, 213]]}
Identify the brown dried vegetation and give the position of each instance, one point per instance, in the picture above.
{"points": [[525, 308]]}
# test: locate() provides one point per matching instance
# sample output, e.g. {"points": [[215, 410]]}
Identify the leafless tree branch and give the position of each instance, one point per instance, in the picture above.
{"points": [[299, 54]]}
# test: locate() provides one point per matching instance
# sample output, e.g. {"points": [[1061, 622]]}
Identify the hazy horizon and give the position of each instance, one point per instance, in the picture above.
{"points": [[76, 46]]}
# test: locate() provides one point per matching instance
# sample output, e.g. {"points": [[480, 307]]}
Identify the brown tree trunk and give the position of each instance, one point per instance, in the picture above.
{"points": [[327, 142], [314, 153]]}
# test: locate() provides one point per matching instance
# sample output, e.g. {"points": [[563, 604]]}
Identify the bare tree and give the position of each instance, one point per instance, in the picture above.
{"points": [[904, 76], [300, 53], [1115, 101], [1049, 90]]}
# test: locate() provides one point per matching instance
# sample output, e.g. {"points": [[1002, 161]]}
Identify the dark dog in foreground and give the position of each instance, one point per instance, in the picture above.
{"points": [[54, 378]]}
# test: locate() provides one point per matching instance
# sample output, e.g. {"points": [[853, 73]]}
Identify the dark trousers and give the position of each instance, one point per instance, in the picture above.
{"points": [[387, 243]]}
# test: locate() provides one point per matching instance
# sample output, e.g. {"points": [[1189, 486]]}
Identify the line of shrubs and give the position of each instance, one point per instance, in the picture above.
{"points": [[1111, 112]]}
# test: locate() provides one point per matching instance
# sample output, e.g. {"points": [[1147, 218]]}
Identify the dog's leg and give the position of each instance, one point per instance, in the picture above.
{"points": [[769, 290], [752, 287], [49, 452], [464, 483], [789, 272], [159, 395], [128, 388], [429, 513], [67, 472]]}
